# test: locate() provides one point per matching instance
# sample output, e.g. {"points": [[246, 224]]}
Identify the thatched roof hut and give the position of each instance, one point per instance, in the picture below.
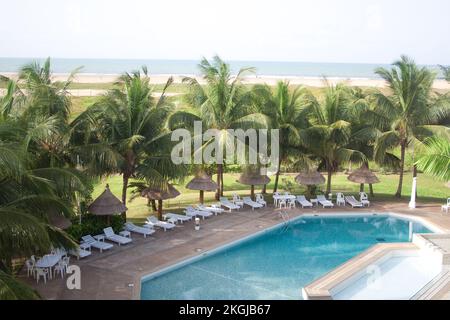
{"points": [[202, 182], [160, 194], [253, 178], [310, 178], [363, 176], [107, 204]]}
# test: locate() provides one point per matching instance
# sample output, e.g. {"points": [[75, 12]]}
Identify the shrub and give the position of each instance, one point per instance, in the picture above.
{"points": [[94, 225]]}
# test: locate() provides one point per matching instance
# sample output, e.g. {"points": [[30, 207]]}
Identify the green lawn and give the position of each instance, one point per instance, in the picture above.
{"points": [[429, 190]]}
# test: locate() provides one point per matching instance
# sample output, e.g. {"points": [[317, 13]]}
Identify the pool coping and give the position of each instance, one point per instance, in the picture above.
{"points": [[144, 276]]}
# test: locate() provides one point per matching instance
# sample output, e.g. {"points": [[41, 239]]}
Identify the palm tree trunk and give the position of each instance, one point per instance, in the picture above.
{"points": [[201, 197], [371, 190], [330, 172], [361, 187], [154, 205], [160, 203], [264, 189], [219, 181], [277, 176], [415, 175], [126, 177], [398, 194], [252, 192]]}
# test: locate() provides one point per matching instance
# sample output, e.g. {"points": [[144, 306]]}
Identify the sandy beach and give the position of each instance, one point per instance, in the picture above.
{"points": [[270, 80]]}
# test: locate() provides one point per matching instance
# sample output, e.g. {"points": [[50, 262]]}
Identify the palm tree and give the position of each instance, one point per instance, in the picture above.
{"points": [[330, 129], [33, 187], [283, 107], [222, 103], [45, 96], [28, 195], [436, 158], [12, 289], [407, 109], [120, 130]]}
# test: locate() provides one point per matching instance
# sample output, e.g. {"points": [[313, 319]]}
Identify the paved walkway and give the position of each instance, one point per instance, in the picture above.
{"points": [[116, 274]]}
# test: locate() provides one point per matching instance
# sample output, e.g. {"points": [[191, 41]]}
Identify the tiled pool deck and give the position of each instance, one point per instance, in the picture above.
{"points": [[116, 274]]}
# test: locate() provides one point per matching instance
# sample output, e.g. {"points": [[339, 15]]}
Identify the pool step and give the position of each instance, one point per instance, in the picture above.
{"points": [[433, 287]]}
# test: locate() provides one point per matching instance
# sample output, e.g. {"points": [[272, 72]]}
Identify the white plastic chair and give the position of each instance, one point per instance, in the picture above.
{"points": [[41, 272], [364, 199], [447, 206], [260, 199], [59, 268], [291, 204], [282, 203], [275, 202], [66, 262], [340, 199], [237, 200], [30, 267]]}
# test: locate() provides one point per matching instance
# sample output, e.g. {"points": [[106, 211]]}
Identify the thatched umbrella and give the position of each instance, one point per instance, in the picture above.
{"points": [[253, 179], [310, 178], [363, 175], [107, 204], [202, 182], [156, 193]]}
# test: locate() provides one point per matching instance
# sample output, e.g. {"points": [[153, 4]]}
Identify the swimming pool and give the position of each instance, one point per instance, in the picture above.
{"points": [[276, 264]]}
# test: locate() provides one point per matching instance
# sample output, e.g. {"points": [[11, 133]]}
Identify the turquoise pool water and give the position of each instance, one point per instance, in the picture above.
{"points": [[278, 263]]}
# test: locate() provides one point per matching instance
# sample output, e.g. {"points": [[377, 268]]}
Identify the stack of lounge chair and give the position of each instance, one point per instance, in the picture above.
{"points": [[111, 236], [253, 204], [100, 245], [216, 210], [353, 202], [324, 202], [129, 226], [178, 217], [154, 222], [224, 202], [190, 211], [303, 202]]}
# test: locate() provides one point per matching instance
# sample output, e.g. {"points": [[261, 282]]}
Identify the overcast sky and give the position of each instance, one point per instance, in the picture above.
{"points": [[372, 31]]}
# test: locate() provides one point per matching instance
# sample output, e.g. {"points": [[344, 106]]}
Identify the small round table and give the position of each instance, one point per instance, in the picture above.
{"points": [[125, 233]]}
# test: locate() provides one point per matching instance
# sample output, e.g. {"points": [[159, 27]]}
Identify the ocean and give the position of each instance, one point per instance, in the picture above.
{"points": [[189, 67]]}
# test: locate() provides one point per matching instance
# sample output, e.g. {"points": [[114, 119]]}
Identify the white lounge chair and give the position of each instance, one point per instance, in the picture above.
{"points": [[340, 199], [100, 245], [324, 202], [260, 199], [364, 199], [446, 207], [212, 209], [228, 204], [353, 202], [154, 222], [175, 216], [80, 253], [253, 204], [129, 226], [303, 202], [111, 236], [190, 211]]}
